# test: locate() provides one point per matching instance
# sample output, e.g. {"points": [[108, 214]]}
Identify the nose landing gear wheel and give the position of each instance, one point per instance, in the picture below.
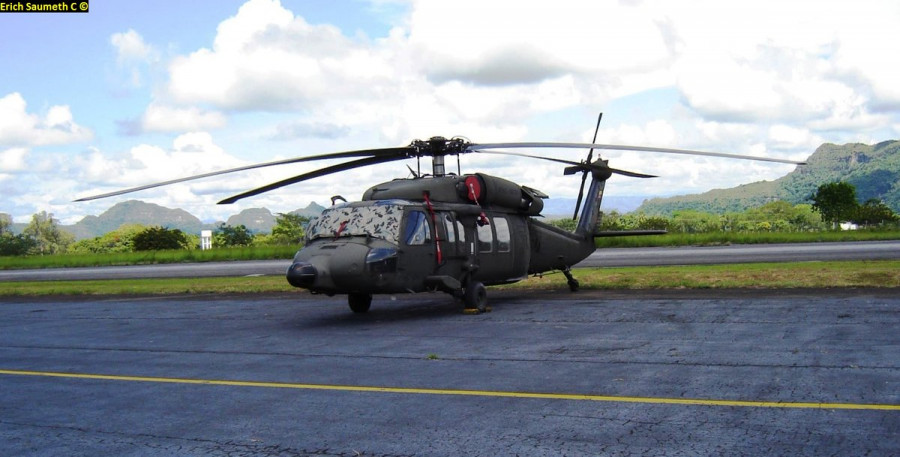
{"points": [[359, 303]]}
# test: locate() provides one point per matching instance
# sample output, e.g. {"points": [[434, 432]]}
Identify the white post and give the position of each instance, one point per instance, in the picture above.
{"points": [[205, 239]]}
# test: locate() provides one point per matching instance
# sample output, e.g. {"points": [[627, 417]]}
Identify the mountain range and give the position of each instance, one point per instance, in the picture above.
{"points": [[873, 169], [257, 220]]}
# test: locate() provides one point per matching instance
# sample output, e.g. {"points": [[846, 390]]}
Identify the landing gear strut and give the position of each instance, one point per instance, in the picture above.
{"points": [[573, 283]]}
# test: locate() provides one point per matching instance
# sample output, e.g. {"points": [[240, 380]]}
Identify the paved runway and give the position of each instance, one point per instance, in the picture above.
{"points": [[597, 373]]}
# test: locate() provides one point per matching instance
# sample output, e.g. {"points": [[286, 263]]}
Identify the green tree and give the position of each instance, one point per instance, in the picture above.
{"points": [[16, 244], [160, 238], [692, 221], [654, 223], [48, 237], [874, 212], [608, 221], [11, 244], [5, 223], [118, 240], [836, 202], [289, 228], [640, 221], [226, 235], [805, 218]]}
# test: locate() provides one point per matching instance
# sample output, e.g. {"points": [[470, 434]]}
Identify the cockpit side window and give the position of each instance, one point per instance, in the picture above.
{"points": [[417, 231]]}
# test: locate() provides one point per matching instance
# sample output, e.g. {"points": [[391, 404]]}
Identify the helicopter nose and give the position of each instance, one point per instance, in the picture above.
{"points": [[302, 274]]}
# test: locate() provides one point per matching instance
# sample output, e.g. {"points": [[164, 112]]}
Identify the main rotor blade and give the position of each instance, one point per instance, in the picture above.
{"points": [[620, 147], [313, 174], [400, 152], [579, 165]]}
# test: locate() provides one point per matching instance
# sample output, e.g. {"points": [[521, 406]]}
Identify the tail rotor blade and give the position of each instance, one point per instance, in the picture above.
{"points": [[584, 173], [580, 195], [591, 152]]}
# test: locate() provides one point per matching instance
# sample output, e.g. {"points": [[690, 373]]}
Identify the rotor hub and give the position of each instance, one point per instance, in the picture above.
{"points": [[438, 146]]}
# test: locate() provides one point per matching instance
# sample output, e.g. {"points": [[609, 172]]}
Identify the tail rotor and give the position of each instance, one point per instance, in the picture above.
{"points": [[585, 172]]}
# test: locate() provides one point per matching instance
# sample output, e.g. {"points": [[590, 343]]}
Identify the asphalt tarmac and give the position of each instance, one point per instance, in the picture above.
{"points": [[681, 373]]}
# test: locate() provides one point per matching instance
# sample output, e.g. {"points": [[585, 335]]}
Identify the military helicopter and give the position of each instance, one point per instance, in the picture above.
{"points": [[448, 232]]}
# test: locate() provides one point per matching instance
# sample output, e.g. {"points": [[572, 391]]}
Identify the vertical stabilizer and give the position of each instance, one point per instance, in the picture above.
{"points": [[589, 219]]}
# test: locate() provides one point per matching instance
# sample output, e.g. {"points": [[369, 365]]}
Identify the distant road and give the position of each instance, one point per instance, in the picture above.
{"points": [[744, 253], [608, 257]]}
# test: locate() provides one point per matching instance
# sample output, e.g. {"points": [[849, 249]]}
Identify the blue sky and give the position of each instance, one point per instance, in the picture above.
{"points": [[139, 91]]}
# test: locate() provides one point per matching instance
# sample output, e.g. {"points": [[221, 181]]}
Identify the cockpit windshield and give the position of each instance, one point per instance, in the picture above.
{"points": [[376, 219]]}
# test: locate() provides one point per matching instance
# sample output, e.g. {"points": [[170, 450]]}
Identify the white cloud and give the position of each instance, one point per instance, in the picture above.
{"points": [[787, 138], [13, 160], [863, 50], [130, 46], [785, 61], [511, 42], [490, 65], [133, 56], [159, 118], [18, 127], [264, 58], [191, 153]]}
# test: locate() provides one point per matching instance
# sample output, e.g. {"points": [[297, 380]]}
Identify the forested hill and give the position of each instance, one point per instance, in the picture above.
{"points": [[873, 169], [149, 214], [134, 212]]}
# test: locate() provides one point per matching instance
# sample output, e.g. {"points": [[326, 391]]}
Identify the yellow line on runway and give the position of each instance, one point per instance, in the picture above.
{"points": [[470, 393]]}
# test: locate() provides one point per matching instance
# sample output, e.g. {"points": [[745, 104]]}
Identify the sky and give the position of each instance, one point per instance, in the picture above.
{"points": [[143, 91]]}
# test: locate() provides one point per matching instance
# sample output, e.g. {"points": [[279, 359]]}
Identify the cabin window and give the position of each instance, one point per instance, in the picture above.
{"points": [[417, 229], [501, 226], [450, 228], [485, 238]]}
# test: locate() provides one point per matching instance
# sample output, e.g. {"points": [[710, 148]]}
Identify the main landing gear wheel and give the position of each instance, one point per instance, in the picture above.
{"points": [[359, 303], [475, 298]]}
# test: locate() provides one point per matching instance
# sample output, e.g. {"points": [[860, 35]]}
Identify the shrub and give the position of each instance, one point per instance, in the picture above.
{"points": [[159, 239]]}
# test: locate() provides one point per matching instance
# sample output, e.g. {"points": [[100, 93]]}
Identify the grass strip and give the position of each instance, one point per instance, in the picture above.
{"points": [[148, 286], [149, 257], [728, 238], [879, 273]]}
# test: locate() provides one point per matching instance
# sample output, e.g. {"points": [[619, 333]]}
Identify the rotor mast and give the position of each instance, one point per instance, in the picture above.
{"points": [[438, 147]]}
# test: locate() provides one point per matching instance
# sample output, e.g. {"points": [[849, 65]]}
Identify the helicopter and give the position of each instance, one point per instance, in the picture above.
{"points": [[448, 232]]}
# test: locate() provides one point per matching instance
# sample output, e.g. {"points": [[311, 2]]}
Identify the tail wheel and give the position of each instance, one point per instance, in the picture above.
{"points": [[476, 296], [359, 303]]}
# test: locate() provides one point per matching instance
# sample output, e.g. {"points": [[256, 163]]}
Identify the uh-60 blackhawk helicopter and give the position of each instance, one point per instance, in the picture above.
{"points": [[449, 232]]}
